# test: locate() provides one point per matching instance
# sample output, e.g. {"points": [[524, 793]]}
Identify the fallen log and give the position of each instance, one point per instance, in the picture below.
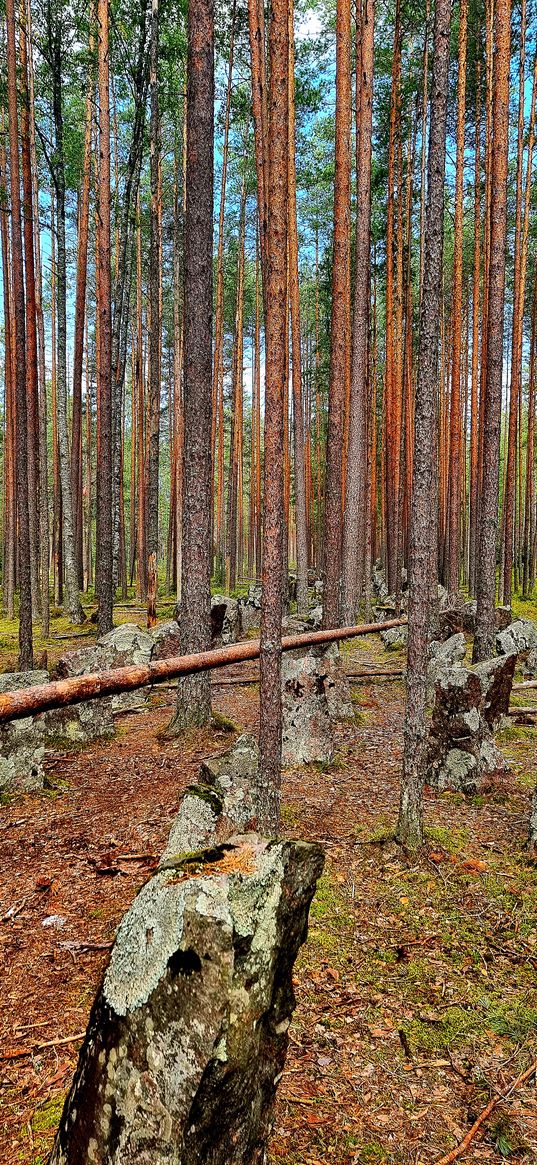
{"points": [[43, 697]]}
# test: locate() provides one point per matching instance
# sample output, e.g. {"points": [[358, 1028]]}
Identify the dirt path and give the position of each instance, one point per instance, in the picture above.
{"points": [[416, 991]]}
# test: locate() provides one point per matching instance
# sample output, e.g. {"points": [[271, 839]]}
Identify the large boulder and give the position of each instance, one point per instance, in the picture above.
{"points": [[395, 637], [80, 723], [469, 705], [250, 609], [519, 637], [124, 646], [225, 801], [188, 1034], [229, 628], [22, 742], [166, 640], [315, 693], [443, 654]]}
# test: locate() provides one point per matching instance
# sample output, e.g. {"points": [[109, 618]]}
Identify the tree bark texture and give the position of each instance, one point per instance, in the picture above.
{"points": [[276, 342], [194, 695], [488, 528], [423, 532]]}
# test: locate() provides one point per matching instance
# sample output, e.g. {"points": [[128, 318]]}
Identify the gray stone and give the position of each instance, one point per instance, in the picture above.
{"points": [[124, 646], [22, 742], [315, 693], [519, 637], [80, 723], [315, 617], [529, 666], [469, 706], [224, 802], [336, 685], [394, 637], [166, 640], [188, 1035], [447, 653], [230, 626]]}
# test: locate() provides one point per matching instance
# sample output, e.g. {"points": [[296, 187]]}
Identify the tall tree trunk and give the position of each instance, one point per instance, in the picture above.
{"points": [[218, 363], [194, 693], [355, 501], [10, 505], [294, 295], [80, 311], [486, 565], [44, 523], [32, 382], [455, 457], [154, 294], [56, 60], [474, 408], [104, 572], [391, 441], [423, 532], [17, 268], [340, 267], [522, 215], [276, 337]]}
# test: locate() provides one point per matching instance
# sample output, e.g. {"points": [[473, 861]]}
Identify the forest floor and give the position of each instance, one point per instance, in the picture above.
{"points": [[416, 997]]}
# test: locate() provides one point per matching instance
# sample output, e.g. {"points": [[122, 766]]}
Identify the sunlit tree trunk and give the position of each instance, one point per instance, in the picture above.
{"points": [[456, 451], [194, 693], [276, 337], [355, 502], [488, 524], [294, 297], [104, 559], [333, 524], [423, 532], [155, 338], [17, 275]]}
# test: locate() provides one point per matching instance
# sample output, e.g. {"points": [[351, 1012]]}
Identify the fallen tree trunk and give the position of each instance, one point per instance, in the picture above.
{"points": [[30, 701]]}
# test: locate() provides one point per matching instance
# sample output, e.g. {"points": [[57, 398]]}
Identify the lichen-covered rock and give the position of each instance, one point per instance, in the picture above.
{"points": [[394, 637], [225, 801], [379, 581], [336, 685], [315, 616], [519, 637], [315, 693], [81, 723], [249, 610], [444, 654], [229, 630], [166, 640], [188, 1035], [529, 665], [469, 704], [124, 646], [22, 742]]}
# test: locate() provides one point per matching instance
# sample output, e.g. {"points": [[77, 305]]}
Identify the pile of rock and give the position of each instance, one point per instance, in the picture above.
{"points": [[188, 1035]]}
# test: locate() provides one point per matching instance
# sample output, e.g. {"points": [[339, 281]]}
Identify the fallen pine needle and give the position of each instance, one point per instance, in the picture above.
{"points": [[456, 1152]]}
